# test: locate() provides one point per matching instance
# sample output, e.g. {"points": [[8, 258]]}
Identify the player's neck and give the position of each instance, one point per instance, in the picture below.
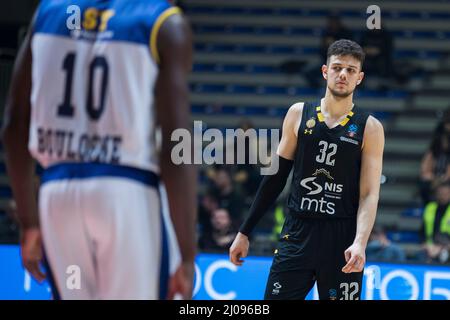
{"points": [[336, 107]]}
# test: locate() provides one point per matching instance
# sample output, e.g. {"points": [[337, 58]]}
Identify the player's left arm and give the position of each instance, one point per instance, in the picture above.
{"points": [[174, 43], [371, 166]]}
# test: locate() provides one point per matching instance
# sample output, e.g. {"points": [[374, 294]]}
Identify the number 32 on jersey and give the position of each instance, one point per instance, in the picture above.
{"points": [[326, 153]]}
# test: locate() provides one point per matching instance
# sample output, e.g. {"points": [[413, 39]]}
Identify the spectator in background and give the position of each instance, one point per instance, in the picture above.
{"points": [[246, 175], [436, 225], [378, 44], [334, 31], [227, 195], [435, 166], [380, 248], [11, 212], [443, 126], [208, 204], [222, 233], [9, 224], [278, 216]]}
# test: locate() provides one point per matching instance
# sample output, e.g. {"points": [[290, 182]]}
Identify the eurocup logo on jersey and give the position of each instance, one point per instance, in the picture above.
{"points": [[352, 130], [234, 144]]}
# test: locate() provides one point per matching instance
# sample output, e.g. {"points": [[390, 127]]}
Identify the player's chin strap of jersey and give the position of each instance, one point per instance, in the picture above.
{"points": [[268, 191]]}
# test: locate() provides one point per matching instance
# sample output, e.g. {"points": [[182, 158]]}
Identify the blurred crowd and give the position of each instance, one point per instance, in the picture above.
{"points": [[227, 192], [434, 188]]}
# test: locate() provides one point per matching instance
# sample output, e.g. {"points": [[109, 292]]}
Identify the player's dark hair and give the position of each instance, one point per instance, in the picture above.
{"points": [[345, 47]]}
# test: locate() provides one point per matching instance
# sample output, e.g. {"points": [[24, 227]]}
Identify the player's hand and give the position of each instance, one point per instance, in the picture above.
{"points": [[355, 256], [31, 251], [433, 250], [239, 249], [181, 282]]}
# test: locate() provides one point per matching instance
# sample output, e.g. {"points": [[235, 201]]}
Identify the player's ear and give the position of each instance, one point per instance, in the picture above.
{"points": [[360, 77], [324, 71]]}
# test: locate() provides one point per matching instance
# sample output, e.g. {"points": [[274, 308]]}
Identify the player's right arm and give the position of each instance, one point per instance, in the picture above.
{"points": [[271, 186], [426, 167], [19, 163], [174, 45]]}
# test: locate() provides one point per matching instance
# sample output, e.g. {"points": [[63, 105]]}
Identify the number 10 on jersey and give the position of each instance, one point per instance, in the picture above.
{"points": [[99, 63]]}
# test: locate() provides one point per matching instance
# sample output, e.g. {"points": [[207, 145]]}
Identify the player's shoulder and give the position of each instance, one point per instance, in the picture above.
{"points": [[296, 110], [373, 133], [373, 126], [293, 117]]}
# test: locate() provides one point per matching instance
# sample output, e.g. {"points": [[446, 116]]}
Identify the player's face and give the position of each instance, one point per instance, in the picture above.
{"points": [[220, 219], [443, 194], [343, 74]]}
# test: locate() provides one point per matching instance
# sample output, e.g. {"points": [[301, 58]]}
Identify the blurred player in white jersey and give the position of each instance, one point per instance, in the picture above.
{"points": [[85, 101]]}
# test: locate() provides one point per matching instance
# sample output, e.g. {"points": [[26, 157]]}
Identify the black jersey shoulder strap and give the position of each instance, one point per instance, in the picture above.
{"points": [[360, 115]]}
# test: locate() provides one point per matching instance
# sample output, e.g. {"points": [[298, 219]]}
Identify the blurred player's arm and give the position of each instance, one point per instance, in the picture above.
{"points": [[371, 166], [174, 45], [19, 163], [427, 165], [271, 185]]}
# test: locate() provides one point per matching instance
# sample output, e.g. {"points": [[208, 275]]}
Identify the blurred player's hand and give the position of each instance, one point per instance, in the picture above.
{"points": [[239, 249], [181, 282], [355, 256], [433, 250], [31, 251]]}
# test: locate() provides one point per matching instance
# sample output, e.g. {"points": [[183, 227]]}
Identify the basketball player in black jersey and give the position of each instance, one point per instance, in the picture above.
{"points": [[336, 150]]}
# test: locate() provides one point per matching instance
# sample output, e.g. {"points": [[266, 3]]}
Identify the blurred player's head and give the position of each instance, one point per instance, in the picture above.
{"points": [[334, 22], [443, 193], [343, 70], [379, 234], [221, 219], [223, 179], [210, 202], [446, 120]]}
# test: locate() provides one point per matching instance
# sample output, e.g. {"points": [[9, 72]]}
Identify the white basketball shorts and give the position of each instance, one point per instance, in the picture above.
{"points": [[107, 232]]}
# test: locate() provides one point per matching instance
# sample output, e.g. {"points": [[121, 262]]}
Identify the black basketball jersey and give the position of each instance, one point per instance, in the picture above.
{"points": [[327, 165]]}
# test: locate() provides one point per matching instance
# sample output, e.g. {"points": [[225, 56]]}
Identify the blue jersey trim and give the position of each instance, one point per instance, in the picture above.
{"points": [[164, 266], [68, 171], [132, 20]]}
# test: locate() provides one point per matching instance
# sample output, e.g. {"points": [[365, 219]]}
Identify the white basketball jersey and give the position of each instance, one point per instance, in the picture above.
{"points": [[93, 82], [101, 204]]}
